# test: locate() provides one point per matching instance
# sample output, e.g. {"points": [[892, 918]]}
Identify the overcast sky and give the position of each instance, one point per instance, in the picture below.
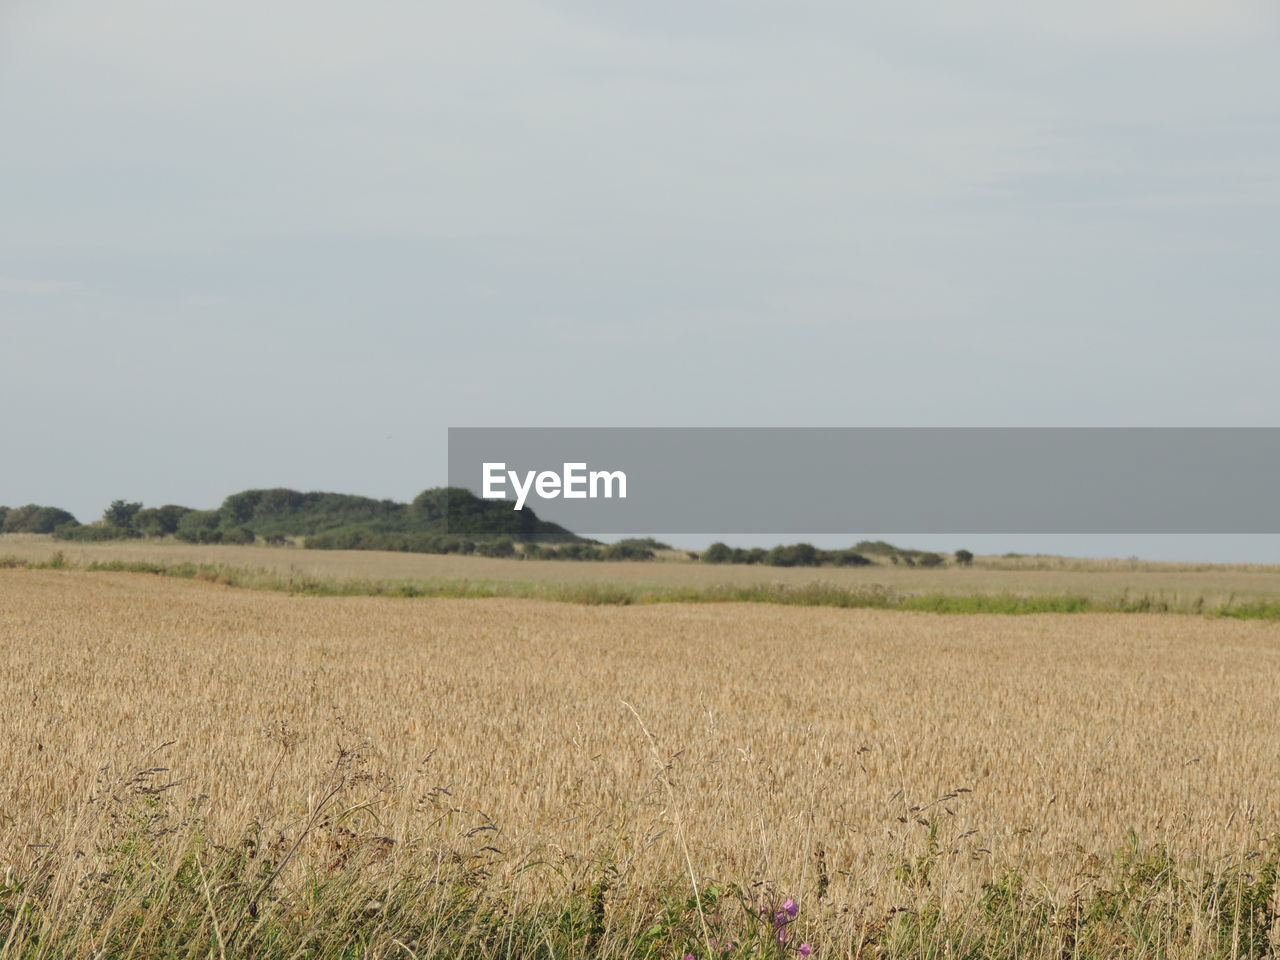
{"points": [[289, 243]]}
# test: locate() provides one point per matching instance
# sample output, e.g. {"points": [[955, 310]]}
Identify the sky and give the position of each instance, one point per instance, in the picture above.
{"points": [[289, 244]]}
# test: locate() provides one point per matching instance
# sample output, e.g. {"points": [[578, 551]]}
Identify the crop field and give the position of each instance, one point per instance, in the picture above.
{"points": [[1183, 585], [192, 769]]}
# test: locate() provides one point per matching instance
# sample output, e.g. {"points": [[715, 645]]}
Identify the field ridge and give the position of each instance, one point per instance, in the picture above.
{"points": [[815, 594]]}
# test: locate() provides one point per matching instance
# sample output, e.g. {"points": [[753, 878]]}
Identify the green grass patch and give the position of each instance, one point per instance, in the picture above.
{"points": [[616, 594]]}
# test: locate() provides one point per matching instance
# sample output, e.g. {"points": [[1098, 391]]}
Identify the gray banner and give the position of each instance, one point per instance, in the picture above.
{"points": [[881, 480]]}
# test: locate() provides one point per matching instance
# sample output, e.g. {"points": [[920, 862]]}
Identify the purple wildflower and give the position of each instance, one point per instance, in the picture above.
{"points": [[791, 908], [804, 949]]}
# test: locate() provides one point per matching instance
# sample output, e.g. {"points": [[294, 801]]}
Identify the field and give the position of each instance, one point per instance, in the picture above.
{"points": [[1187, 586], [193, 770]]}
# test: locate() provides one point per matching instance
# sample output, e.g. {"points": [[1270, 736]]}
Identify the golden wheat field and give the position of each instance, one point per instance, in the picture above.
{"points": [[805, 750]]}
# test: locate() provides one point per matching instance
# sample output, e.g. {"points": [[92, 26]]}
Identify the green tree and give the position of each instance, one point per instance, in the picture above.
{"points": [[717, 553], [849, 558], [964, 558], [628, 550], [121, 514], [199, 526], [160, 521], [33, 518]]}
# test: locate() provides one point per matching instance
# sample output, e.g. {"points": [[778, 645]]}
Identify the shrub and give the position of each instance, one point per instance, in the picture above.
{"points": [[34, 518], [199, 526], [280, 510], [849, 558], [717, 553], [576, 551], [463, 513], [160, 521], [876, 547], [502, 547], [964, 558], [93, 532], [795, 555], [120, 513], [240, 535], [628, 550], [648, 542], [931, 560]]}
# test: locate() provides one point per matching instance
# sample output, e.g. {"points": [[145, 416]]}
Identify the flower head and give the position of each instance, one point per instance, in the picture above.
{"points": [[791, 908], [804, 949]]}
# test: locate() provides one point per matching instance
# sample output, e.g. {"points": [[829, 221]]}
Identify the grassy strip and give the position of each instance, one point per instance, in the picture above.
{"points": [[166, 895], [595, 594]]}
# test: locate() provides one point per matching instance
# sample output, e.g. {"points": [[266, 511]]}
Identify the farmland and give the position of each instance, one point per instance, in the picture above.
{"points": [[194, 769], [1181, 585]]}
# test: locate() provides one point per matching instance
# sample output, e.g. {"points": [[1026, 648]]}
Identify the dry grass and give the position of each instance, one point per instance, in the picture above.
{"points": [[1178, 585], [779, 732]]}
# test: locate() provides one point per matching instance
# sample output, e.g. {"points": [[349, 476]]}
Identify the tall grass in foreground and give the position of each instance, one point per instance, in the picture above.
{"points": [[139, 875], [817, 594]]}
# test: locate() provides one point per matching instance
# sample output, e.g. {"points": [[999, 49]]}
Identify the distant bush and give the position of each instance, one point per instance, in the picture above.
{"points": [[199, 526], [632, 549], [900, 555], [717, 553], [283, 511], [362, 538], [848, 558], [159, 521], [502, 547], [464, 514], [737, 554], [34, 518], [93, 532], [120, 514], [238, 535], [123, 520], [573, 551], [880, 547], [964, 558], [793, 555], [648, 543]]}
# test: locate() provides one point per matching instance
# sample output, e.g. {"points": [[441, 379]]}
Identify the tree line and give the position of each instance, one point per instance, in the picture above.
{"points": [[440, 520]]}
